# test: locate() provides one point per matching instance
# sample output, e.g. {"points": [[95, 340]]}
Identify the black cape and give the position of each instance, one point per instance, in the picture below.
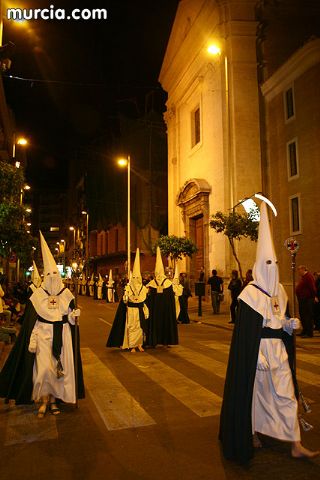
{"points": [[235, 420], [116, 335], [162, 326], [183, 315], [16, 374]]}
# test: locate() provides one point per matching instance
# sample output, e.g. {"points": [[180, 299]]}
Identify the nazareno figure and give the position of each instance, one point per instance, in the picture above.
{"points": [[260, 394], [130, 322], [162, 326], [40, 366]]}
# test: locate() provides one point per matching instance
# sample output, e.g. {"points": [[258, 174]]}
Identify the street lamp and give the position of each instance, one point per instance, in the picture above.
{"points": [[214, 50], [72, 229], [125, 162], [84, 212]]}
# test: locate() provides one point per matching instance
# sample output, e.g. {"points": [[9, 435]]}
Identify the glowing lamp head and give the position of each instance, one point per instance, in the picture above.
{"points": [[123, 162], [214, 49], [22, 141]]}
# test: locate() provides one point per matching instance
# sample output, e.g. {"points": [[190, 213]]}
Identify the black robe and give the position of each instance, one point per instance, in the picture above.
{"points": [[16, 375], [116, 335], [235, 420], [162, 325]]}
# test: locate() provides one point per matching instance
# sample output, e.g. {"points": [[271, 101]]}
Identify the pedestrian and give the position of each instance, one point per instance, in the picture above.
{"points": [[306, 294], [235, 287], [316, 306], [259, 393], [248, 278], [216, 285], [130, 322], [183, 299], [40, 366], [162, 325], [83, 285], [35, 279], [201, 275]]}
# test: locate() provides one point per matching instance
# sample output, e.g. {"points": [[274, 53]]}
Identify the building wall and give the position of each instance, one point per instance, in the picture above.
{"points": [[301, 73], [227, 157]]}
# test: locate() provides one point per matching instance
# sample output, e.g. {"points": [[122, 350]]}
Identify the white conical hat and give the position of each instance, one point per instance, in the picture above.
{"points": [[136, 272], [35, 276], [52, 279], [110, 275], [49, 264], [265, 270], [158, 269], [176, 278]]}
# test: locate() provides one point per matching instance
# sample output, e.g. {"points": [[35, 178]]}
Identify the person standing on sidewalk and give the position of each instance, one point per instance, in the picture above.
{"points": [[306, 293], [216, 284], [235, 287]]}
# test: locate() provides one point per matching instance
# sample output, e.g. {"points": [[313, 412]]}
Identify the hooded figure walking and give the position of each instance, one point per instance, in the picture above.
{"points": [[130, 322], [40, 366], [161, 301], [260, 393]]}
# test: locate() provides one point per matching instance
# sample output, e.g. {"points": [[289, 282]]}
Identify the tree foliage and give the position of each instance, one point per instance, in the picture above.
{"points": [[175, 247], [235, 226], [14, 238]]}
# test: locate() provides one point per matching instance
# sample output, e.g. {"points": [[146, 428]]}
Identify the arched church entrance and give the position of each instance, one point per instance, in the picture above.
{"points": [[193, 199]]}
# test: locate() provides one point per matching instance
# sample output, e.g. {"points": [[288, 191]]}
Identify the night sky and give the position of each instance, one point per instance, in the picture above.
{"points": [[101, 65]]}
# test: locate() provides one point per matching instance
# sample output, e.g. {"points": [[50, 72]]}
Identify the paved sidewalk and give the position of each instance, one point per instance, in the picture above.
{"points": [[208, 317]]}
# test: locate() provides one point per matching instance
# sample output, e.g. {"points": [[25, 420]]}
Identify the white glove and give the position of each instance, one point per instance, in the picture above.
{"points": [[73, 315], [145, 311], [33, 343], [291, 324], [262, 363]]}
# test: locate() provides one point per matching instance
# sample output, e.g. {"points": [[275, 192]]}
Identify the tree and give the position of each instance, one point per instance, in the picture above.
{"points": [[175, 247], [235, 226], [14, 238]]}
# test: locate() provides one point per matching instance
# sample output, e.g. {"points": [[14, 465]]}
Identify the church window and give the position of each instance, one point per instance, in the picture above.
{"points": [[295, 214], [289, 103], [292, 159], [196, 127]]}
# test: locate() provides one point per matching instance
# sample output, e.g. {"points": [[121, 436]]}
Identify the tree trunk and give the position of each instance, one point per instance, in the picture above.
{"points": [[236, 257]]}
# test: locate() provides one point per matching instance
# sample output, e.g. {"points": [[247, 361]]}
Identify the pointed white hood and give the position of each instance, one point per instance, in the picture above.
{"points": [[160, 278], [158, 269], [51, 287], [265, 274], [52, 281], [35, 276], [110, 275], [176, 278], [265, 270], [136, 279]]}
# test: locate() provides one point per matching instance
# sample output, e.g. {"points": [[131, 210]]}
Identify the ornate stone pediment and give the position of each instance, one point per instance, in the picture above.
{"points": [[192, 189]]}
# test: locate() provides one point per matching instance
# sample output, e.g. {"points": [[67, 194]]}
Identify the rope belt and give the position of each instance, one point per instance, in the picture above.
{"points": [[268, 332], [135, 305], [57, 341]]}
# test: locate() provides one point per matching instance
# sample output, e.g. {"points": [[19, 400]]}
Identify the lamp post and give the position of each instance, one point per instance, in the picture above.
{"points": [[125, 162], [72, 229], [86, 213]]}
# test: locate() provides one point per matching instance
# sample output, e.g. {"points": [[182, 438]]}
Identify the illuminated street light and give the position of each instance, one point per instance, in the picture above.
{"points": [[125, 162], [72, 229], [27, 187], [22, 141], [214, 49], [29, 224], [28, 210], [84, 212]]}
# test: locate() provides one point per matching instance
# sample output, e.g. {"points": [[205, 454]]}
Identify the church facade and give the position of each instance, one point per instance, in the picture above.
{"points": [[212, 123], [230, 67]]}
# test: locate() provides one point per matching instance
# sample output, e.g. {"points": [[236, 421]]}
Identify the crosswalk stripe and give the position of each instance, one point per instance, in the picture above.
{"points": [[23, 426], [117, 408], [198, 399], [304, 376], [207, 363], [309, 358], [105, 321]]}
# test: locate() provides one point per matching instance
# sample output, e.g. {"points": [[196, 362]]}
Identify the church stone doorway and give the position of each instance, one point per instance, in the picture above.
{"points": [[193, 199]]}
